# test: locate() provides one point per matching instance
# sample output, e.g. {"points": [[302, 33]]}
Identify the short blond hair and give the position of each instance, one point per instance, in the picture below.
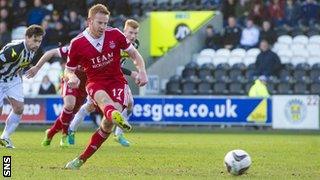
{"points": [[98, 8], [131, 23]]}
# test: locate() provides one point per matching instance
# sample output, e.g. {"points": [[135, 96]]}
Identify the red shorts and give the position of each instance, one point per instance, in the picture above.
{"points": [[79, 93], [118, 91]]}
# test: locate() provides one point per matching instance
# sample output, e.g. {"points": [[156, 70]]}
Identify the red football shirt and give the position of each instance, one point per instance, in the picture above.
{"points": [[79, 72], [100, 58]]}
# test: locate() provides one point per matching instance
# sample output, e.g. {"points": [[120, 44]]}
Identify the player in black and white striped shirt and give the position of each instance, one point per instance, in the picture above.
{"points": [[14, 57]]}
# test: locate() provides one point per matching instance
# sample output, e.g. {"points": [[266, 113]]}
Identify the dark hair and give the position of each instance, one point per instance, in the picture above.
{"points": [[34, 30]]}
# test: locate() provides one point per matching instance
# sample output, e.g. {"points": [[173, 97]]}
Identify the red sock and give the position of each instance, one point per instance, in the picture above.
{"points": [[65, 117], [56, 127], [108, 112], [96, 140]]}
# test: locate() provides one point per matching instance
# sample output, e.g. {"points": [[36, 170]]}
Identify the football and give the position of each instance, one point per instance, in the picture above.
{"points": [[237, 162]]}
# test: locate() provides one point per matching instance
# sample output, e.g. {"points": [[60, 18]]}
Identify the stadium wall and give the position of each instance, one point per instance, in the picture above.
{"points": [[280, 112]]}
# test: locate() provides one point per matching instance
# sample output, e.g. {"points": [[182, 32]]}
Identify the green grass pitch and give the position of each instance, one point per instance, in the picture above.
{"points": [[170, 155]]}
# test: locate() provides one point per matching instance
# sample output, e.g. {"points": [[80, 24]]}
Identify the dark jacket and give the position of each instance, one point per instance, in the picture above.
{"points": [[268, 63]]}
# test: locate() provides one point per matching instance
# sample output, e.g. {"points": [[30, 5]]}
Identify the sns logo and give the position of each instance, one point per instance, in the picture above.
{"points": [[6, 166]]}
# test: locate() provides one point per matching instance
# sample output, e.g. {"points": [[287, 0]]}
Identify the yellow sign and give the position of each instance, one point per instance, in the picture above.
{"points": [[168, 28], [259, 114]]}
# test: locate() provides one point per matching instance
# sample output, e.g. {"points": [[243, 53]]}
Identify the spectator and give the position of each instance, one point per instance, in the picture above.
{"points": [[242, 11], [120, 7], [55, 37], [74, 24], [257, 13], [19, 15], [47, 86], [228, 9], [213, 39], [292, 14], [3, 4], [5, 36], [4, 16], [250, 35], [267, 63], [259, 88], [232, 34], [276, 12], [37, 13], [268, 33], [310, 13]]}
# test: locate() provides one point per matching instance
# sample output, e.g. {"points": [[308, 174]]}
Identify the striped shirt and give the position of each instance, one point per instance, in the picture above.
{"points": [[14, 57]]}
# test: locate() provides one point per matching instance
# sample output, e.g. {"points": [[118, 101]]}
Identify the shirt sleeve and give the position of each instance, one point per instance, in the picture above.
{"points": [[73, 57], [8, 54], [63, 51], [124, 43]]}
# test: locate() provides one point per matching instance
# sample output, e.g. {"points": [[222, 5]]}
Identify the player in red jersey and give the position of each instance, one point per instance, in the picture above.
{"points": [[131, 31], [73, 98], [97, 50]]}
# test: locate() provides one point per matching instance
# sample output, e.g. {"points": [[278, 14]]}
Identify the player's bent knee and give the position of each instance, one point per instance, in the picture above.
{"points": [[69, 107], [18, 108], [106, 125]]}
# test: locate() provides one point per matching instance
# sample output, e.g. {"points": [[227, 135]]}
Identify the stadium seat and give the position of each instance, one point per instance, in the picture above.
{"points": [[223, 52], [278, 47], [295, 60], [205, 88], [249, 60], [175, 78], [272, 88], [285, 39], [219, 60], [236, 88], [313, 49], [173, 88], [314, 39], [253, 52], [202, 59], [315, 88], [204, 72], [301, 39], [208, 52], [284, 88], [288, 66], [285, 52], [234, 60], [284, 73], [238, 52], [191, 69], [300, 88], [285, 59], [189, 88], [247, 86], [301, 52], [220, 88], [313, 31], [297, 46], [314, 74]]}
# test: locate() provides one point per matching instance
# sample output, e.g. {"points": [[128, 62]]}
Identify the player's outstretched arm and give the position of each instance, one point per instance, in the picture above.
{"points": [[45, 58], [142, 78]]}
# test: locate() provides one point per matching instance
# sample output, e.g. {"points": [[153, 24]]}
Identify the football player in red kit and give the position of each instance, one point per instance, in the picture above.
{"points": [[97, 49]]}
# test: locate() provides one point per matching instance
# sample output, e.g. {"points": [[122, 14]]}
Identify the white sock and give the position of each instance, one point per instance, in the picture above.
{"points": [[12, 123], [118, 131], [78, 118]]}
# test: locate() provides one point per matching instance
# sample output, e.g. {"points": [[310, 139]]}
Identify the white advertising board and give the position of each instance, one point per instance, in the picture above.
{"points": [[295, 112]]}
